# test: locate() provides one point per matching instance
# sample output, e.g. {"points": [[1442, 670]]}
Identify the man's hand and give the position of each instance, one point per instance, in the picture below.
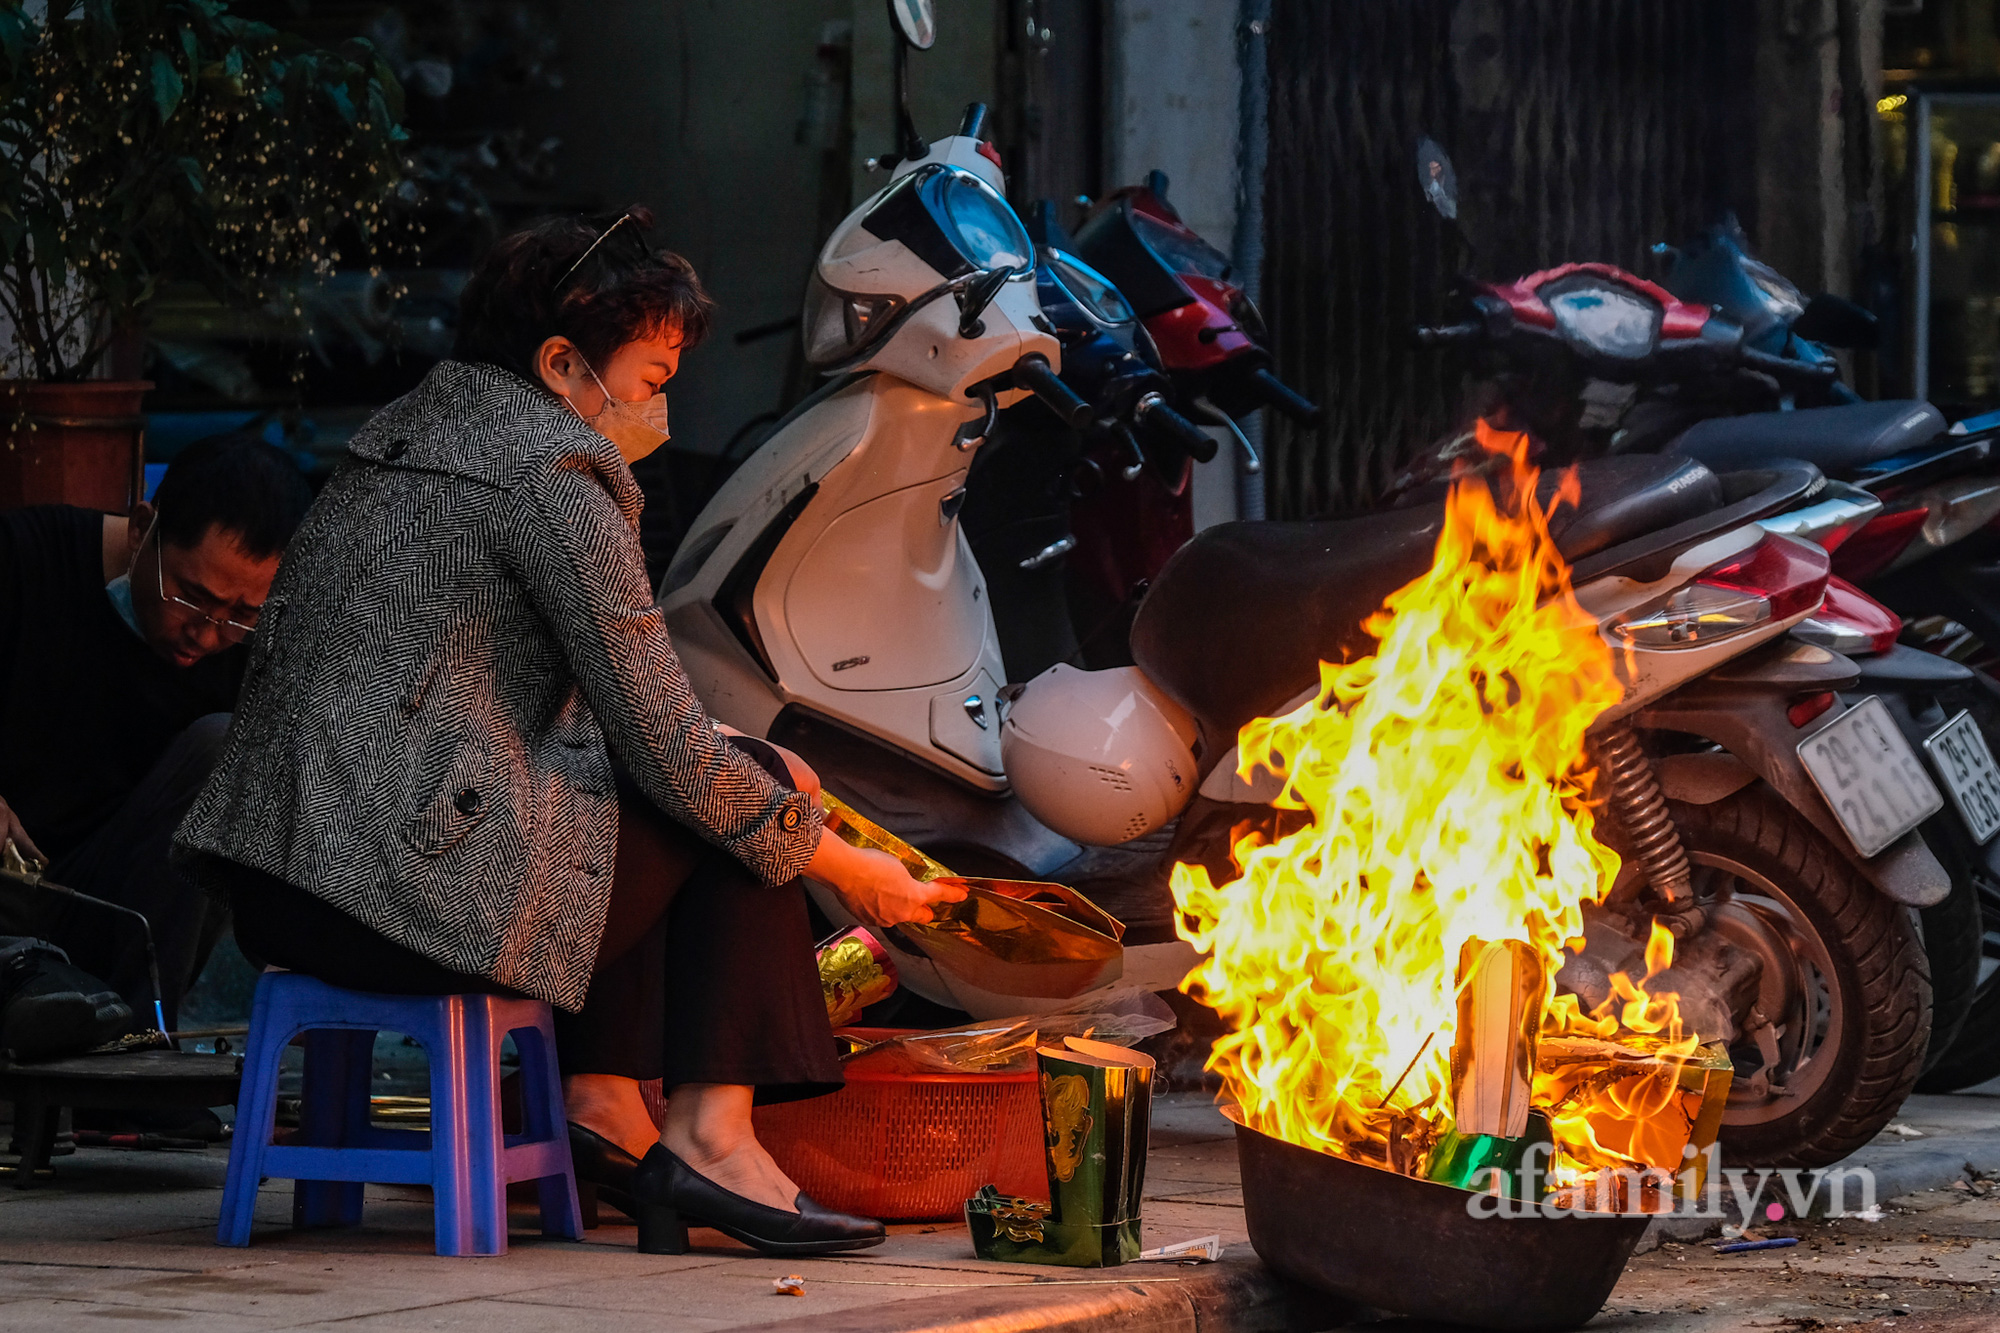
{"points": [[876, 886], [10, 827]]}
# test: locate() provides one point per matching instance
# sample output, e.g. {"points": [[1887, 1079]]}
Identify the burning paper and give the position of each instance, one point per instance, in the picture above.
{"points": [[1388, 970]]}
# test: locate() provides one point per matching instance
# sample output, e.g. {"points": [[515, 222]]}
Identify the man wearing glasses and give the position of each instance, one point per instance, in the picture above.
{"points": [[121, 650]]}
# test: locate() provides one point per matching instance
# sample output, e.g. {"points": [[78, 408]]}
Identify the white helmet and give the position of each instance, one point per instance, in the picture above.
{"points": [[1099, 756]]}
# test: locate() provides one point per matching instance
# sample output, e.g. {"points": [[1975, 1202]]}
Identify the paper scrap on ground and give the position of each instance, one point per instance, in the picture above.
{"points": [[1205, 1250]]}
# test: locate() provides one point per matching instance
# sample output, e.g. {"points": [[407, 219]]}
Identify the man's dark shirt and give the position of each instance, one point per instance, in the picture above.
{"points": [[86, 707]]}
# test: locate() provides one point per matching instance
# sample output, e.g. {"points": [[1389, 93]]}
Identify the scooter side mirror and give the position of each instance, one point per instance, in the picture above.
{"points": [[1838, 322], [916, 22], [976, 295], [1436, 178]]}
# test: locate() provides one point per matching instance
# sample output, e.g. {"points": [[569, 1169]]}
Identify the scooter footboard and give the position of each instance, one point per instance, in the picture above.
{"points": [[1743, 710]]}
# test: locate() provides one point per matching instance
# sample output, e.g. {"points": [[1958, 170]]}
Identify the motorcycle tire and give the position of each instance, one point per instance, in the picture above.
{"points": [[1844, 966], [1953, 930], [1974, 1058]]}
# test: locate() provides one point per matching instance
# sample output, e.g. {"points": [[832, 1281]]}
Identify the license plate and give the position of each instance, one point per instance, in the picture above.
{"points": [[1959, 753], [1870, 776]]}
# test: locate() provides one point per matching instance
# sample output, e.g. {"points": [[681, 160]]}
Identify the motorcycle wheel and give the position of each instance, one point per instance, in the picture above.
{"points": [[1974, 1058], [1952, 942], [1845, 982]]}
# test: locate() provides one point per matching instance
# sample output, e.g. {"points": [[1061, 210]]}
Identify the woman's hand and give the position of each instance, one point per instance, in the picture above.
{"points": [[876, 886], [11, 830]]}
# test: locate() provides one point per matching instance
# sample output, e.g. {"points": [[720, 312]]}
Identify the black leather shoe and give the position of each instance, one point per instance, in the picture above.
{"points": [[603, 1171], [49, 1006], [671, 1196]]}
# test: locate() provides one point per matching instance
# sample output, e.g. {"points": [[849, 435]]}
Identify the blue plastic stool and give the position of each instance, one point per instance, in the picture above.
{"points": [[337, 1149]]}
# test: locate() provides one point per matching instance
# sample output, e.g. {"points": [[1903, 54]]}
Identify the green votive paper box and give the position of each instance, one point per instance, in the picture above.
{"points": [[1097, 1103]]}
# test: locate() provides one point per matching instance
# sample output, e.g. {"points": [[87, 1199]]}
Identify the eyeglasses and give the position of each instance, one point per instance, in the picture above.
{"points": [[602, 237], [233, 630]]}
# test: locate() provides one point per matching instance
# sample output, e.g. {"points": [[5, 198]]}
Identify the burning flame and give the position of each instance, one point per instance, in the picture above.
{"points": [[1448, 790]]}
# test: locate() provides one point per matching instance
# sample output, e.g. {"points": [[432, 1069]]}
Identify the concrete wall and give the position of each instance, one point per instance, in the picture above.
{"points": [[692, 108], [1173, 84], [695, 108], [1818, 71], [959, 69]]}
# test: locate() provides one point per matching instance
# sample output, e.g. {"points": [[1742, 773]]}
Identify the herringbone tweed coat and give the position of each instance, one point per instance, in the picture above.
{"points": [[421, 738]]}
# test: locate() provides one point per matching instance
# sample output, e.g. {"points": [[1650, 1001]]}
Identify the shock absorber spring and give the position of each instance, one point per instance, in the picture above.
{"points": [[1641, 807]]}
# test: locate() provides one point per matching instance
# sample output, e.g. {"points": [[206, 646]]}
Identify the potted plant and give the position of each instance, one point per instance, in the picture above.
{"points": [[147, 140]]}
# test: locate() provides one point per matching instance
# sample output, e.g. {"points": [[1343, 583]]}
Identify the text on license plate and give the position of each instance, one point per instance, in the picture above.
{"points": [[1966, 764], [1870, 776]]}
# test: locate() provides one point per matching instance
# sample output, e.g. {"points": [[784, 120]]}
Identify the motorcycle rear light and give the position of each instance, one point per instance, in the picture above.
{"points": [[1808, 708], [1955, 510], [1850, 621], [1693, 616], [1788, 573], [1874, 548]]}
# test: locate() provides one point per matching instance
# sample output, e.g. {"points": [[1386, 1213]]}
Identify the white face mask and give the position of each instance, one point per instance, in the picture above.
{"points": [[636, 428]]}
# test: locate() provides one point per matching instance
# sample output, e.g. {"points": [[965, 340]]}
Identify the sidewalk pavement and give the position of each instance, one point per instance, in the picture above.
{"points": [[124, 1237], [120, 1237]]}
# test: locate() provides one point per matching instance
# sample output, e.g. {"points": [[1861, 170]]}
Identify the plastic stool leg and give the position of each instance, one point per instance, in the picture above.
{"points": [[333, 1113], [485, 1132], [256, 1107], [456, 1120], [543, 1120]]}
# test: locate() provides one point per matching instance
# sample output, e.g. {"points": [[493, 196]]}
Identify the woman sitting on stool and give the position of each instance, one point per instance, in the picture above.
{"points": [[466, 757]]}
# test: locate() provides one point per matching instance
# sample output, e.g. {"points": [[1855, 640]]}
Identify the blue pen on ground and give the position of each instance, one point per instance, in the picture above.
{"points": [[1780, 1243]]}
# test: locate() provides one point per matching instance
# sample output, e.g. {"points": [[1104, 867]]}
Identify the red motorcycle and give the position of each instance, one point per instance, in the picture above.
{"points": [[1211, 342]]}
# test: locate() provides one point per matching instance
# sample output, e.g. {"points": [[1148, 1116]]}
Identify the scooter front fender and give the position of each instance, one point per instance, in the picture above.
{"points": [[1741, 707]]}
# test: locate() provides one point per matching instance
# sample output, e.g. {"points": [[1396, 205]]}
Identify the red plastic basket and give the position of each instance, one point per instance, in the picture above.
{"points": [[910, 1146]]}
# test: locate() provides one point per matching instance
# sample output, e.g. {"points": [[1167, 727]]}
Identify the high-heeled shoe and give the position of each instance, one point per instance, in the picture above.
{"points": [[603, 1171], [671, 1196]]}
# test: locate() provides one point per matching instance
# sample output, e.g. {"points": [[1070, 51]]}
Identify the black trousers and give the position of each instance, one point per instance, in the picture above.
{"points": [[705, 974], [125, 862]]}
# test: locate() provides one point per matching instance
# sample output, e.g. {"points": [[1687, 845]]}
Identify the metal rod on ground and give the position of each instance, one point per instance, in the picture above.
{"points": [[145, 929]]}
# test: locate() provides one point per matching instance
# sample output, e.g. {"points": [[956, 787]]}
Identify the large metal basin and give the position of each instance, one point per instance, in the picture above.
{"points": [[1397, 1243]]}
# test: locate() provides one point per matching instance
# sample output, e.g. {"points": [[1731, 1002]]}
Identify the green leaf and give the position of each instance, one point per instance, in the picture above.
{"points": [[391, 86], [338, 96], [167, 85], [13, 31]]}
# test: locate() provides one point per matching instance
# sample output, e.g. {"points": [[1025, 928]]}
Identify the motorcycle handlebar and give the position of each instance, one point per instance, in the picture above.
{"points": [[1285, 398], [1450, 333], [1154, 415], [1033, 373], [1784, 368]]}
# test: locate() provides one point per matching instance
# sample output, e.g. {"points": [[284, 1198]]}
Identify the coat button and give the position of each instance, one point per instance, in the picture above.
{"points": [[467, 802], [396, 449], [792, 818]]}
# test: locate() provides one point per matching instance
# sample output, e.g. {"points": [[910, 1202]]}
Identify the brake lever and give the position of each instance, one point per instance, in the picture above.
{"points": [[1215, 416], [972, 434], [1131, 471]]}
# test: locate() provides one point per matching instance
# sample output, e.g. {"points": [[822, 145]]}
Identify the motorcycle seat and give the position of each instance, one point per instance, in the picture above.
{"points": [[1836, 440], [1236, 623]]}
